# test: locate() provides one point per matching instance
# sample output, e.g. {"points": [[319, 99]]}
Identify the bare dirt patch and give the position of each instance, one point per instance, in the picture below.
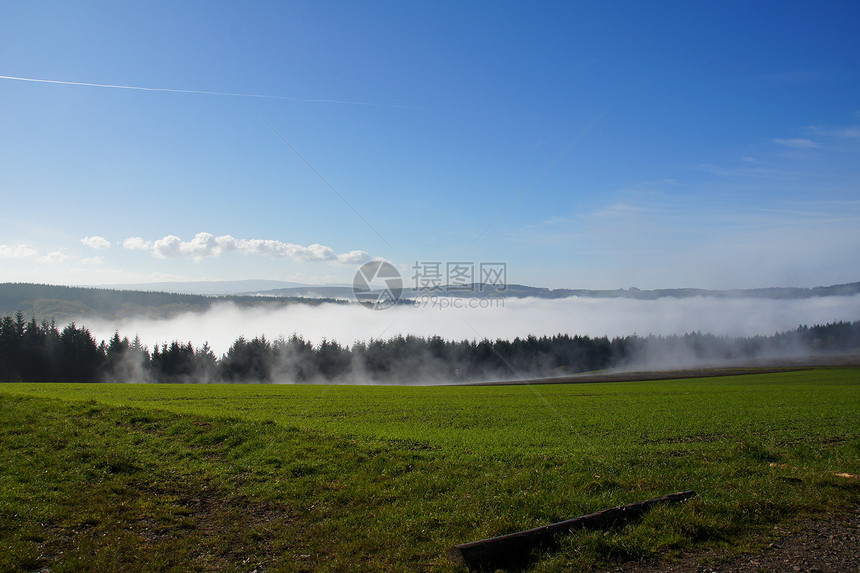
{"points": [[826, 544]]}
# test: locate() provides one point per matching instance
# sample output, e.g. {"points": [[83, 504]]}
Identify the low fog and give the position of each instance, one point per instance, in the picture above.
{"points": [[456, 319]]}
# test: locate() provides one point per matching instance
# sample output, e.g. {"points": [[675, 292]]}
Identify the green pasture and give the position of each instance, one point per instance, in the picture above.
{"points": [[386, 478]]}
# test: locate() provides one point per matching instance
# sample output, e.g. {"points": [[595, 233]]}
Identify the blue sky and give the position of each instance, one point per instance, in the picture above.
{"points": [[587, 145]]}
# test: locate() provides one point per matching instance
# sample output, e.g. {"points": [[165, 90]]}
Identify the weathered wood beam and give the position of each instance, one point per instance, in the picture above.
{"points": [[513, 547]]}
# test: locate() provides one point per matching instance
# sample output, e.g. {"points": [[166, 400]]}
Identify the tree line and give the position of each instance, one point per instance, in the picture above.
{"points": [[42, 352], [46, 301]]}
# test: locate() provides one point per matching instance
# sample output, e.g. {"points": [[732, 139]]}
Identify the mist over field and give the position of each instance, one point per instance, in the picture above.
{"points": [[463, 319]]}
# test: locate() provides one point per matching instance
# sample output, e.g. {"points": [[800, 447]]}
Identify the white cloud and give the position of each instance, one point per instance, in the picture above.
{"points": [[797, 143], [206, 245], [93, 260], [96, 242], [17, 252], [137, 243], [849, 132], [53, 257], [353, 257], [25, 252]]}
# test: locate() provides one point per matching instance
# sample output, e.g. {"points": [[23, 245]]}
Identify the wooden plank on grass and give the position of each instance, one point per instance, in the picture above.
{"points": [[499, 551]]}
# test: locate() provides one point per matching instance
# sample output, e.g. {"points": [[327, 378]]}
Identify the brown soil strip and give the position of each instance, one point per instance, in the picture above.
{"points": [[828, 544]]}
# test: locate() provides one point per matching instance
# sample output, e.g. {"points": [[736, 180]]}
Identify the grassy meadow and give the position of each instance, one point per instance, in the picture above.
{"points": [[262, 478]]}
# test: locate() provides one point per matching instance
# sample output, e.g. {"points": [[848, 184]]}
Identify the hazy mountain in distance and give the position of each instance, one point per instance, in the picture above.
{"points": [[69, 303], [306, 291], [65, 303], [523, 291], [248, 286]]}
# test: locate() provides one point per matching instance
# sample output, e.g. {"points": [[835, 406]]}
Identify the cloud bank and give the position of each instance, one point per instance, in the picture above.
{"points": [[26, 252], [17, 252], [223, 324], [207, 245]]}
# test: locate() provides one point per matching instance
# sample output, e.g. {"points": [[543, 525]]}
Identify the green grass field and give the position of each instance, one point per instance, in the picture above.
{"points": [[365, 478]]}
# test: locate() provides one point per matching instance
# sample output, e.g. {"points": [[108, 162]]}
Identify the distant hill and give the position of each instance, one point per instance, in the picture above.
{"points": [[207, 287], [308, 291], [772, 292], [522, 291], [64, 303]]}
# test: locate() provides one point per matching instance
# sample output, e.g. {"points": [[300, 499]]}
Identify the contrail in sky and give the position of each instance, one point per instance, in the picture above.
{"points": [[206, 92]]}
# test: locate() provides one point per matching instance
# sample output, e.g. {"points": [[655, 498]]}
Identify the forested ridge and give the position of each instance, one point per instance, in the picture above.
{"points": [[67, 303], [72, 303], [32, 351]]}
